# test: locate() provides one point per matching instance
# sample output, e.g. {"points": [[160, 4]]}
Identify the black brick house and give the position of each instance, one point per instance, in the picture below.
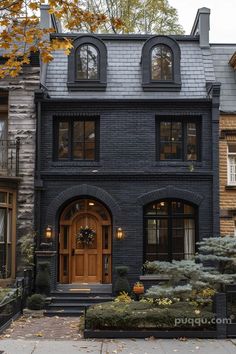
{"points": [[127, 144]]}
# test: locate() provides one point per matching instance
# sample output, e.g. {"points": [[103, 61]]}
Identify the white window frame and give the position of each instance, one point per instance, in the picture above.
{"points": [[229, 155]]}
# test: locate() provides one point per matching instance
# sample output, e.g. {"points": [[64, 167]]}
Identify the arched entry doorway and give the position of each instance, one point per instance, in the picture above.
{"points": [[78, 261]]}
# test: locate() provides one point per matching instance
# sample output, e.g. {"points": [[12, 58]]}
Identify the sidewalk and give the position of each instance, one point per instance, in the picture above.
{"points": [[129, 346]]}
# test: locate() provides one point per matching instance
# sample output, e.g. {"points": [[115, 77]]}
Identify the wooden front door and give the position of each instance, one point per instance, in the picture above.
{"points": [[86, 261], [78, 262]]}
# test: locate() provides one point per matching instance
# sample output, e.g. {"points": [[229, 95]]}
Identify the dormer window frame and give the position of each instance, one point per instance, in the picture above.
{"points": [[161, 85], [99, 84]]}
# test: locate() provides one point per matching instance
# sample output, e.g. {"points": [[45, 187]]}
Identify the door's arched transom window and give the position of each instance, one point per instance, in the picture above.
{"points": [[161, 58], [170, 230]]}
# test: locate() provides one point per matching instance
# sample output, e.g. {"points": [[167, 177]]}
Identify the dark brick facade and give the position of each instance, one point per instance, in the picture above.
{"points": [[127, 175]]}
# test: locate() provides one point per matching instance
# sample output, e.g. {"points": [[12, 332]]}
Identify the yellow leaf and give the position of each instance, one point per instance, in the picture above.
{"points": [[34, 6]]}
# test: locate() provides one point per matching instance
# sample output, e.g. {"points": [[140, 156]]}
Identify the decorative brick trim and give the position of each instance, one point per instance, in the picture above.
{"points": [[170, 192], [83, 190]]}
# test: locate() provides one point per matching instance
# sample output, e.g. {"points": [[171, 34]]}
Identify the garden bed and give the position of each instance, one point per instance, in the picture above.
{"points": [[143, 319]]}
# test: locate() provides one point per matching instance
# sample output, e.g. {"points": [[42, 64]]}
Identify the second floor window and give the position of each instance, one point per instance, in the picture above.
{"points": [[76, 139], [178, 140], [87, 63], [232, 164], [161, 63]]}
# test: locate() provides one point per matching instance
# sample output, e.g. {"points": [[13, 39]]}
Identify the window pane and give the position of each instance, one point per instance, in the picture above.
{"points": [[161, 63], [87, 63], [63, 140], [9, 226], [183, 238], [89, 151], [176, 225], [160, 208], [156, 63], [191, 141], [78, 151], [232, 169], [157, 240], [170, 140], [3, 197], [3, 129], [78, 131], [82, 73], [10, 198], [232, 148], [89, 131], [92, 63], [3, 224]]}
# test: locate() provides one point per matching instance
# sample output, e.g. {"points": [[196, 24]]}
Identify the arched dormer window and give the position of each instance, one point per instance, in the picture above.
{"points": [[161, 64], [161, 58], [87, 65]]}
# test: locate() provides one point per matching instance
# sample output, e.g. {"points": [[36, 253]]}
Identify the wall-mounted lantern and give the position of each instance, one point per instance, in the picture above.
{"points": [[48, 233], [120, 235]]}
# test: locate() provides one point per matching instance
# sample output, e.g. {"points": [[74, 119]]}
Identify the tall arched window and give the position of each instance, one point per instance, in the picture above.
{"points": [[87, 63], [170, 230], [161, 57]]}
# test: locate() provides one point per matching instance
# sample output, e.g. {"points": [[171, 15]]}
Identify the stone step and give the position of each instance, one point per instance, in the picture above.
{"points": [[78, 299], [85, 287], [77, 294], [64, 313], [66, 306]]}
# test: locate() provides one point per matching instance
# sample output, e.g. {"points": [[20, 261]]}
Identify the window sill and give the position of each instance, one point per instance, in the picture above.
{"points": [[230, 187], [86, 86], [76, 164], [161, 87]]}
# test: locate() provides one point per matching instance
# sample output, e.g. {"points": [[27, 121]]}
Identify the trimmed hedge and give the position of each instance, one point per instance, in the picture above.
{"points": [[138, 315]]}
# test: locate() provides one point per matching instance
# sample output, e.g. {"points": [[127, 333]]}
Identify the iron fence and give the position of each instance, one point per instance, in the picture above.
{"points": [[13, 307]]}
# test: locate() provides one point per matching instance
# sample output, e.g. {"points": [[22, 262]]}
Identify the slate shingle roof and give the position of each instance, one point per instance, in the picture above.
{"points": [[225, 74], [124, 73]]}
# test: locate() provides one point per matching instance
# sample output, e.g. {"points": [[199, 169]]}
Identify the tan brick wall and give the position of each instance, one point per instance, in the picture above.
{"points": [[227, 197]]}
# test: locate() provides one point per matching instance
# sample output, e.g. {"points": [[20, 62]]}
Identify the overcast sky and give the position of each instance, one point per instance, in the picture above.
{"points": [[222, 21]]}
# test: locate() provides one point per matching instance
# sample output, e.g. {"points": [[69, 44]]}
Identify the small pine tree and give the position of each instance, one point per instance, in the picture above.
{"points": [[213, 268]]}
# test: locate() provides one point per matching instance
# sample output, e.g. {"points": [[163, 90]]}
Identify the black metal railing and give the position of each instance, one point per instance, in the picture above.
{"points": [[9, 157], [13, 306], [231, 309], [9, 310]]}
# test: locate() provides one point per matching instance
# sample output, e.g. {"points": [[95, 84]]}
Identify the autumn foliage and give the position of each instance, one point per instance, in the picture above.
{"points": [[21, 33]]}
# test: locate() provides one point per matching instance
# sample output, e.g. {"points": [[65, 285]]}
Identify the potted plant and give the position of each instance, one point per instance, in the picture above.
{"points": [[138, 288]]}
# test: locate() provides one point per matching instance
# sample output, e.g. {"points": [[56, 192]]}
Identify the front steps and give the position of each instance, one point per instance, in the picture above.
{"points": [[72, 299]]}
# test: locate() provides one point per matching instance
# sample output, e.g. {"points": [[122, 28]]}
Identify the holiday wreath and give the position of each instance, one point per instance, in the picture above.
{"points": [[86, 235]]}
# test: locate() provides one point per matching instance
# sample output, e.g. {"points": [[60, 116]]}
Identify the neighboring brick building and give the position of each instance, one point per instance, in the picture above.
{"points": [[224, 58], [17, 164], [127, 143]]}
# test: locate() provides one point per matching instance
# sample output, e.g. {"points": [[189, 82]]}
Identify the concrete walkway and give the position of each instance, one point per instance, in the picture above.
{"points": [[139, 346]]}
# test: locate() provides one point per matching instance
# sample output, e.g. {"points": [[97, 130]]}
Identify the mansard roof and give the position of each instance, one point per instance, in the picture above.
{"points": [[124, 75], [226, 74]]}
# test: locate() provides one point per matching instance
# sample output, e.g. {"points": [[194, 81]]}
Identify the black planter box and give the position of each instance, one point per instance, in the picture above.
{"points": [[207, 334]]}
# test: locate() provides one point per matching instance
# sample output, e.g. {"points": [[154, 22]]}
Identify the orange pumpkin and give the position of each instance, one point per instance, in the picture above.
{"points": [[138, 288]]}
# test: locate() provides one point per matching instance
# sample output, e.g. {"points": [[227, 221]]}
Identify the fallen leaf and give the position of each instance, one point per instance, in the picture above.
{"points": [[39, 334]]}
